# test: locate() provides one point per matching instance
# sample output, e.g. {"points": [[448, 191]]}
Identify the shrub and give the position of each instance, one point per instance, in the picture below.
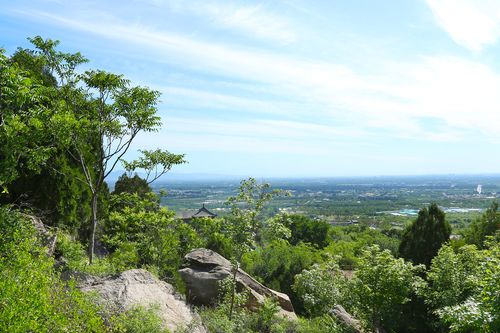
{"points": [[32, 297], [138, 319]]}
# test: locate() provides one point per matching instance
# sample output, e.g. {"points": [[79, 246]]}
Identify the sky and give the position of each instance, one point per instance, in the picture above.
{"points": [[296, 88]]}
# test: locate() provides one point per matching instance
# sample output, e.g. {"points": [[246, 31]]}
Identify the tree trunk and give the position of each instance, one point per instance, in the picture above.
{"points": [[233, 291], [94, 226]]}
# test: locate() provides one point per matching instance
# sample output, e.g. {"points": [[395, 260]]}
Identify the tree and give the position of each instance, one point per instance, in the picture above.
{"points": [[141, 224], [321, 287], [303, 229], [422, 240], [381, 286], [24, 122], [485, 226], [246, 208], [35, 167], [99, 108], [117, 114], [155, 163], [480, 312], [133, 184]]}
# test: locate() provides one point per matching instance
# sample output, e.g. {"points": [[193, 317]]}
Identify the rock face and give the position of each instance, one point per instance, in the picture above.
{"points": [[205, 268], [139, 287]]}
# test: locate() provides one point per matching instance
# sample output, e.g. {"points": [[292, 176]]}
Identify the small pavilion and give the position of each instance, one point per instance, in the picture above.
{"points": [[202, 212]]}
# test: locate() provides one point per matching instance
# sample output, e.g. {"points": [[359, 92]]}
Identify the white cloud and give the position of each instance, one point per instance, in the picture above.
{"points": [[398, 102], [470, 23], [254, 20]]}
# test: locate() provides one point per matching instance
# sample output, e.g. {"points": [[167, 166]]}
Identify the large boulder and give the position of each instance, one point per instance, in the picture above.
{"points": [[139, 287], [205, 268]]}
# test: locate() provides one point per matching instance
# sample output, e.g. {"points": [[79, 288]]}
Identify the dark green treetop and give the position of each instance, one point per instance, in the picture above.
{"points": [[422, 240]]}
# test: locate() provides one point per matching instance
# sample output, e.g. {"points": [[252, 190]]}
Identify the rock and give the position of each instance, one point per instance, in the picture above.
{"points": [[205, 268], [139, 287], [347, 319], [47, 238]]}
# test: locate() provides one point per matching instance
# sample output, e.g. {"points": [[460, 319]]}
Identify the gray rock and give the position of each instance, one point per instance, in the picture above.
{"points": [[205, 268], [347, 319], [139, 287], [46, 236]]}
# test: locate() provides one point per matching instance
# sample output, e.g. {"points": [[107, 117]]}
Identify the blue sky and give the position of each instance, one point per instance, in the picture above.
{"points": [[297, 87]]}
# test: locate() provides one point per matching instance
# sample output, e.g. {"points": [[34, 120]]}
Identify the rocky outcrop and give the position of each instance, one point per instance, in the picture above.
{"points": [[139, 287], [205, 268], [47, 238]]}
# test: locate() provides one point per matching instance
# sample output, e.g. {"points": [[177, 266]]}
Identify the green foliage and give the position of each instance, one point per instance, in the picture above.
{"points": [[303, 229], [375, 294], [142, 233], [381, 285], [453, 276], [321, 287], [213, 234], [76, 259], [125, 257], [277, 263], [138, 319], [485, 226], [245, 219], [265, 320], [321, 324], [276, 228], [32, 297], [477, 307], [422, 240], [348, 243], [24, 122], [155, 163], [96, 107], [131, 185]]}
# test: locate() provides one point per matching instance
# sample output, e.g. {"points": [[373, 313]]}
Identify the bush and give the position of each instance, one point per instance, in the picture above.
{"points": [[321, 287], [138, 319], [32, 297], [480, 311], [276, 265], [77, 260]]}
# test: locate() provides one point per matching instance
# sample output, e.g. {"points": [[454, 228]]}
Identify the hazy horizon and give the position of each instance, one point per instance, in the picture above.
{"points": [[295, 88], [178, 176]]}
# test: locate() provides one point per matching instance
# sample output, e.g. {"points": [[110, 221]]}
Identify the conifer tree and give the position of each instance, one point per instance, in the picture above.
{"points": [[422, 240]]}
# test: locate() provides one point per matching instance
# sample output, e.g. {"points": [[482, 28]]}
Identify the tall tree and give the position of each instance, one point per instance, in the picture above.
{"points": [[246, 208], [422, 240], [43, 182], [117, 114], [96, 117]]}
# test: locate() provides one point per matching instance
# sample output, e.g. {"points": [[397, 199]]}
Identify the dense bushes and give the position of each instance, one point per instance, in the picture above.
{"points": [[277, 263], [32, 297], [375, 294]]}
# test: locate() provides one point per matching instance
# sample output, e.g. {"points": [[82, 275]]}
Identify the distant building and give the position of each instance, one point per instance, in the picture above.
{"points": [[190, 214]]}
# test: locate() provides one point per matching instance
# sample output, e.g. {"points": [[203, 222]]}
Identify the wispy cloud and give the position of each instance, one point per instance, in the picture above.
{"points": [[470, 23], [461, 93], [253, 21]]}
